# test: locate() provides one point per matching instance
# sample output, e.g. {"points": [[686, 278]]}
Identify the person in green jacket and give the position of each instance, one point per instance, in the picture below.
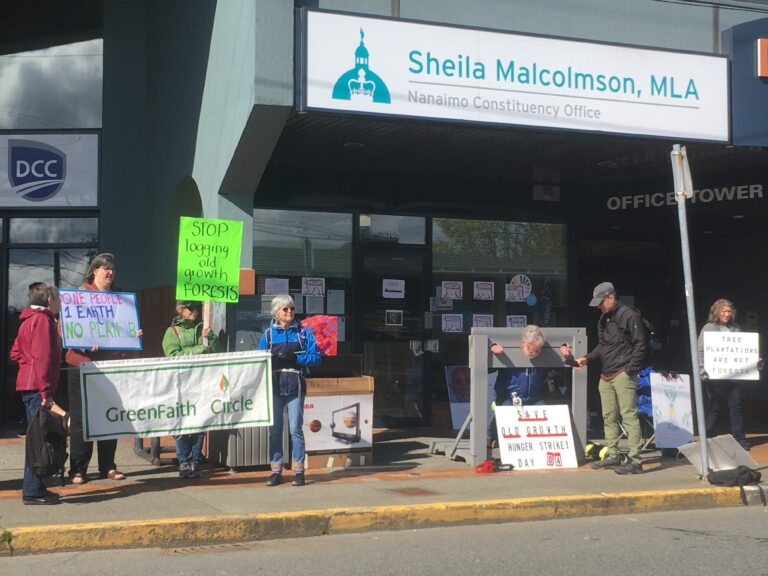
{"points": [[185, 336]]}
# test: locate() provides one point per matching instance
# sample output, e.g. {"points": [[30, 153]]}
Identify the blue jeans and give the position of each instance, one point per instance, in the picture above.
{"points": [[189, 447], [33, 486], [295, 405]]}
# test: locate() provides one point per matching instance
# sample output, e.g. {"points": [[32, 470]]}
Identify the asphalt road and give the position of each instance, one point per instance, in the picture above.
{"points": [[717, 542]]}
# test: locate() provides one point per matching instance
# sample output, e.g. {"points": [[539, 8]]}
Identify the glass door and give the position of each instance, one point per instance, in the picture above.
{"points": [[391, 284]]}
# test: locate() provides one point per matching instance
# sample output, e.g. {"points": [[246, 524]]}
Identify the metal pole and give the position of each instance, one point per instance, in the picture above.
{"points": [[683, 190]]}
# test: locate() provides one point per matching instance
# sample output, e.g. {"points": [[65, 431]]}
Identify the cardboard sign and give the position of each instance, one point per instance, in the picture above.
{"points": [[672, 412], [91, 318], [536, 437], [176, 395], [732, 355], [325, 329], [209, 259]]}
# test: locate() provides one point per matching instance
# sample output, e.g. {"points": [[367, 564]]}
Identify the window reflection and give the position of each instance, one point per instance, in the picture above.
{"points": [[50, 230], [58, 87], [389, 229], [295, 243], [63, 267]]}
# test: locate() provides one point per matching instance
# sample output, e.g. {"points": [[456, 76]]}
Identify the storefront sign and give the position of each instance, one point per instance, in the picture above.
{"points": [[49, 170], [108, 320], [374, 66], [536, 437], [732, 355], [672, 412], [209, 259], [177, 395], [703, 196]]}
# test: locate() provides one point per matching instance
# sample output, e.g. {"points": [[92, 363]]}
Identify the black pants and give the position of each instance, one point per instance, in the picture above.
{"points": [[80, 451], [729, 391]]}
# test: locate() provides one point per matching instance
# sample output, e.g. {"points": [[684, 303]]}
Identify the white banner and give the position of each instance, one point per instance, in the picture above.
{"points": [[91, 318], [49, 170], [178, 395], [672, 412], [732, 355], [536, 437], [374, 66]]}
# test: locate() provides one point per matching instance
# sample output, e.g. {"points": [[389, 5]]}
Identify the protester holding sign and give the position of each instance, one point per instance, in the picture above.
{"points": [[186, 336], [293, 349], [100, 277], [722, 318], [38, 352]]}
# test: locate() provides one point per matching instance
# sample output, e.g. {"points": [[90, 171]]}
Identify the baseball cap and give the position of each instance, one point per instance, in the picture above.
{"points": [[601, 291]]}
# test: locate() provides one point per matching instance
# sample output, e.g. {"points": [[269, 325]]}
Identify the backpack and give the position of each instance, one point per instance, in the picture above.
{"points": [[46, 444], [647, 328], [740, 476]]}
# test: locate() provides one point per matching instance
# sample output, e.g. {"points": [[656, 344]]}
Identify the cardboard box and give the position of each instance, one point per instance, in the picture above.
{"points": [[339, 386], [326, 460]]}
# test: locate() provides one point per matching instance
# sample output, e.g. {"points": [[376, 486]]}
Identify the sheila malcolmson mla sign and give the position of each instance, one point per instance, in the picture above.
{"points": [[177, 395], [396, 67]]}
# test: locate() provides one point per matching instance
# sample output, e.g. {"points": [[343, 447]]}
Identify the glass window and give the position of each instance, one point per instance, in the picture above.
{"points": [[294, 243], [58, 87], [53, 230], [63, 267], [480, 259], [388, 229]]}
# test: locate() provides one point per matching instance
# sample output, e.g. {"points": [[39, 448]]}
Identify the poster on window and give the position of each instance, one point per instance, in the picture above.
{"points": [[458, 380], [518, 289], [483, 290]]}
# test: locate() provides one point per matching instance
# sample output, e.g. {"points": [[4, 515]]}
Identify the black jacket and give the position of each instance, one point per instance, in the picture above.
{"points": [[620, 347]]}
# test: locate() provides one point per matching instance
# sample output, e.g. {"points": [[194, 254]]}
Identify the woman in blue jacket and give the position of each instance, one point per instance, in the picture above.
{"points": [[293, 349]]}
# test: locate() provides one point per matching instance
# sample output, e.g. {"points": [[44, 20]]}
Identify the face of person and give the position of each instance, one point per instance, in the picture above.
{"points": [[285, 314], [103, 276], [54, 305], [726, 315], [608, 303], [189, 313], [530, 350]]}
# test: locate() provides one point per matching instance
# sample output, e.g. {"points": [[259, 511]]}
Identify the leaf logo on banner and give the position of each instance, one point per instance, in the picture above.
{"points": [[223, 383]]}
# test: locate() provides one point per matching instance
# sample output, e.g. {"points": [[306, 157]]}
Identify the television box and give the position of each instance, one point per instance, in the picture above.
{"points": [[327, 460], [339, 386]]}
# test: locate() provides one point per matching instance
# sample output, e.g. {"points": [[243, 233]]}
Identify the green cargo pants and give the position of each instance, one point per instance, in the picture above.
{"points": [[619, 399]]}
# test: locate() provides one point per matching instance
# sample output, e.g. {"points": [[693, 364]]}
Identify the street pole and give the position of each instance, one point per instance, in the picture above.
{"points": [[684, 190]]}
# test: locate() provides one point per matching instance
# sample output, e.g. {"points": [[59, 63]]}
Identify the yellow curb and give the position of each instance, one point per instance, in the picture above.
{"points": [[249, 527]]}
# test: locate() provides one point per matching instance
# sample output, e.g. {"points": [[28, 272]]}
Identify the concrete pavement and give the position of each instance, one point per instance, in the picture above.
{"points": [[406, 487]]}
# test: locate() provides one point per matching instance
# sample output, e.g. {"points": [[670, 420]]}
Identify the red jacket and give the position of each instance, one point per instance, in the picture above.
{"points": [[37, 349]]}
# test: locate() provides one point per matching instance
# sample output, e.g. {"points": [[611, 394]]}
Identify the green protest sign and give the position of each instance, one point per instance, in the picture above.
{"points": [[209, 259]]}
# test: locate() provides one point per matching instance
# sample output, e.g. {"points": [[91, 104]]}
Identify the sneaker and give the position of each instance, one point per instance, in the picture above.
{"points": [[630, 467], [40, 500], [298, 479], [194, 470], [185, 470], [606, 463], [275, 479]]}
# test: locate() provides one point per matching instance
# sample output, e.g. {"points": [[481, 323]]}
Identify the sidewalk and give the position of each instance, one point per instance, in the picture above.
{"points": [[406, 487]]}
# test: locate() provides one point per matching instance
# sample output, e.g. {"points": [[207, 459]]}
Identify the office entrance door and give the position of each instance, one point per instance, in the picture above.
{"points": [[391, 295]]}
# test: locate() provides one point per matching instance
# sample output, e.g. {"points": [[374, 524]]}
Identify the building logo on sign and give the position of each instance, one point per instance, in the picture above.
{"points": [[360, 83], [36, 171]]}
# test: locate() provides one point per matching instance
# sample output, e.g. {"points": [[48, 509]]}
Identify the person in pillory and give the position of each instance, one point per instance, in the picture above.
{"points": [[185, 336], [294, 350]]}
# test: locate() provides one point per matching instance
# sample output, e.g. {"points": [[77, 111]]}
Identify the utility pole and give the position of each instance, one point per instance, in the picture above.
{"points": [[681, 173]]}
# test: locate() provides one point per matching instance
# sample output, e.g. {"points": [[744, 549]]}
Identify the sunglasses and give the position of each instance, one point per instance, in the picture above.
{"points": [[287, 308]]}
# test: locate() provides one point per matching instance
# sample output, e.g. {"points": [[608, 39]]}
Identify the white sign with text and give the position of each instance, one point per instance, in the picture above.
{"points": [[732, 355], [536, 437]]}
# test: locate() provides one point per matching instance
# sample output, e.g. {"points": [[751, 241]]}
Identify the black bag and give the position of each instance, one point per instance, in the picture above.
{"points": [[46, 445], [740, 476]]}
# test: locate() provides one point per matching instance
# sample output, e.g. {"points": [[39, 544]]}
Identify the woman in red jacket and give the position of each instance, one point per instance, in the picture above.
{"points": [[37, 350]]}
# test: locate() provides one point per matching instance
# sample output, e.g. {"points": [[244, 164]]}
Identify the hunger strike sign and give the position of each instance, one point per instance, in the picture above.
{"points": [[176, 395], [209, 259], [108, 320]]}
